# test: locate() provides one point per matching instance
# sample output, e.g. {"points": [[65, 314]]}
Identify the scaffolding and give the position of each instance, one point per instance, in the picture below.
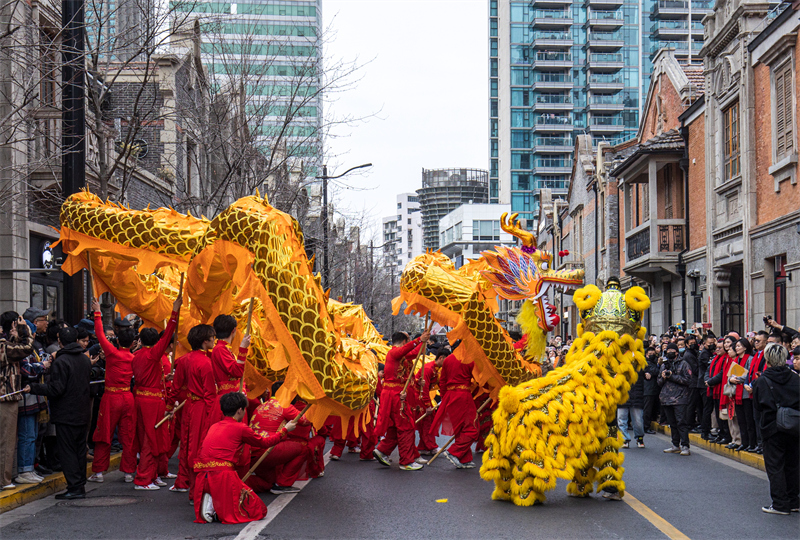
{"points": [[444, 190]]}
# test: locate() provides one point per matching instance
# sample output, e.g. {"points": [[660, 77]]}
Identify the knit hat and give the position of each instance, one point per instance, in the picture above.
{"points": [[672, 347]]}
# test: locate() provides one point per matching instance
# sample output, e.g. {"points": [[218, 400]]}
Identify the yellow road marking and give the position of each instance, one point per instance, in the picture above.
{"points": [[660, 523]]}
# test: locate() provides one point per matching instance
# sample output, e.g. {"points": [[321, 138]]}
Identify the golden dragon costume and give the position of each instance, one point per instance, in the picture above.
{"points": [[249, 252], [556, 426]]}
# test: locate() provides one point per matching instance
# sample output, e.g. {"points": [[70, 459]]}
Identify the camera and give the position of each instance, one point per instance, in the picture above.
{"points": [[767, 319]]}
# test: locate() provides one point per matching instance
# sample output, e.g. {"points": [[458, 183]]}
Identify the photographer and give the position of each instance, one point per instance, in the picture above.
{"points": [[651, 389], [675, 379]]}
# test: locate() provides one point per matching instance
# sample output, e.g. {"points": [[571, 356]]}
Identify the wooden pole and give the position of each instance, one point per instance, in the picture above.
{"points": [[91, 276], [426, 414], [265, 454], [177, 324], [247, 330], [448, 443], [419, 355], [171, 414]]}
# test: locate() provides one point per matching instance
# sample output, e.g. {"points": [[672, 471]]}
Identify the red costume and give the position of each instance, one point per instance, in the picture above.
{"points": [[202, 397], [427, 438], [395, 420], [178, 391], [287, 462], [116, 407], [228, 372], [149, 399], [215, 472], [456, 413], [166, 432]]}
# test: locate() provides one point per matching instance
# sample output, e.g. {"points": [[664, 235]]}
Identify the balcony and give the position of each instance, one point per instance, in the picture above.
{"points": [[605, 41], [551, 39], [603, 124], [550, 3], [603, 4], [674, 29], [676, 9], [604, 20], [604, 83], [681, 47], [553, 59], [552, 145], [553, 122], [605, 103], [549, 81], [558, 167], [551, 18], [605, 62], [654, 246]]}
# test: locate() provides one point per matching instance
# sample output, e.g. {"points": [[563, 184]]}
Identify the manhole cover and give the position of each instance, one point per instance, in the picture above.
{"points": [[105, 501]]}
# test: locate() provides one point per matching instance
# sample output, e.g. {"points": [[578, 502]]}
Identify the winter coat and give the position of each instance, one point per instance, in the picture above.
{"points": [[675, 389], [651, 387], [777, 387], [690, 357], [703, 361], [12, 351], [68, 388], [636, 394]]}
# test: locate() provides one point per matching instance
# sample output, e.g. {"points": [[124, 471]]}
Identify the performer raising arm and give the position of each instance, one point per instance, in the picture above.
{"points": [[218, 490]]}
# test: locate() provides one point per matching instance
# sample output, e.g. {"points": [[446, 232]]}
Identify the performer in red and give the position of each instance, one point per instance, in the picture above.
{"points": [[228, 369], [166, 432], [350, 440], [428, 379], [457, 411], [201, 393], [179, 393], [116, 406], [149, 399], [395, 419], [288, 460], [314, 442], [218, 491]]}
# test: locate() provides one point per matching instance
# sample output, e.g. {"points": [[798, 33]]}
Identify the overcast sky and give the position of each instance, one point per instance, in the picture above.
{"points": [[427, 81]]}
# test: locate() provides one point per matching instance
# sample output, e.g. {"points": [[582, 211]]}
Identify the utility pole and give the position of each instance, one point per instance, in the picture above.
{"points": [[73, 135]]}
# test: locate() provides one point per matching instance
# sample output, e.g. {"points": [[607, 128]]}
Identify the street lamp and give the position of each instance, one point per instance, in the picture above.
{"points": [[325, 179]]}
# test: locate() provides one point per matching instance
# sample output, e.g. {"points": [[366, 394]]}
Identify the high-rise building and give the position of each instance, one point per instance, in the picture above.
{"points": [[402, 234], [444, 190], [266, 55], [559, 68]]}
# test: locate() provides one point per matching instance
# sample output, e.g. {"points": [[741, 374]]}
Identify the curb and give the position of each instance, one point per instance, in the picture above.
{"points": [[753, 460], [25, 493]]}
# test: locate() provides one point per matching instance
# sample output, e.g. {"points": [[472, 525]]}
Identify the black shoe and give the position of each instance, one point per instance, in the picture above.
{"points": [[42, 470], [724, 440], [69, 495], [694, 430], [731, 445], [649, 431]]}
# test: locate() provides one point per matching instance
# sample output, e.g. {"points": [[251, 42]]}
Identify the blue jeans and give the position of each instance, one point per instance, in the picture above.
{"points": [[637, 420], [26, 442]]}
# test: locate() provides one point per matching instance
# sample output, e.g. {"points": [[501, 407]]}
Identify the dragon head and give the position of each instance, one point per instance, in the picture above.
{"points": [[526, 273]]}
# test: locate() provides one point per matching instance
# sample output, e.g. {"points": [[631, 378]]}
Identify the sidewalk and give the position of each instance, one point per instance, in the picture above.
{"points": [[753, 460], [25, 493]]}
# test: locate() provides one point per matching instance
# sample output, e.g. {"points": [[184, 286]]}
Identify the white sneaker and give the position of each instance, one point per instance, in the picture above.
{"points": [[26, 478], [421, 460], [382, 458], [96, 477], [9, 486], [159, 482], [171, 476], [207, 508], [176, 489], [128, 478], [148, 487], [413, 466], [38, 476]]}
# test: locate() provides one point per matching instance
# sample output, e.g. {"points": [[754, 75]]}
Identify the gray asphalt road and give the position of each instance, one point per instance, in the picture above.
{"points": [[703, 497]]}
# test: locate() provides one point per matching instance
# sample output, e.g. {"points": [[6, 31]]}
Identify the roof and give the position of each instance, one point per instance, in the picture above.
{"points": [[666, 143], [696, 77]]}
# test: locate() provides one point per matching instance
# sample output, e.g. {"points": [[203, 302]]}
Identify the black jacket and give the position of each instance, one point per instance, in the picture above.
{"points": [[703, 361], [675, 388], [651, 387], [636, 394], [777, 387], [690, 357], [68, 388]]}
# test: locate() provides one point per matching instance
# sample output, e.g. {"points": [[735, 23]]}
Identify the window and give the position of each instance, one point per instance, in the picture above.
{"points": [[730, 125], [602, 215], [399, 205], [409, 221], [784, 117], [485, 230], [49, 70]]}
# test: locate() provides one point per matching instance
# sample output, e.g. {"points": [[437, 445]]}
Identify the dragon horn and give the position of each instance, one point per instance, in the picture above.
{"points": [[511, 226]]}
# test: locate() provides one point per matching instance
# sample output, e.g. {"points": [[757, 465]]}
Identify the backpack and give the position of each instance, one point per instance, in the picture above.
{"points": [[787, 419]]}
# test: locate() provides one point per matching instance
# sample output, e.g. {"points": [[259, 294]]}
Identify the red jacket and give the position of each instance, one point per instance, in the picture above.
{"points": [[270, 417], [455, 375], [178, 388], [148, 370], [200, 378], [226, 439], [431, 374], [225, 367], [118, 361], [399, 362]]}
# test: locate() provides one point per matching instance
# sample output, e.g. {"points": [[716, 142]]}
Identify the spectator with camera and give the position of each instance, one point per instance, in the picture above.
{"points": [[675, 379], [650, 388], [775, 394]]}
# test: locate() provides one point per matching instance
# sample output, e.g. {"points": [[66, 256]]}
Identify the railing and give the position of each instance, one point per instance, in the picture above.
{"points": [[605, 100], [675, 25], [670, 238], [552, 77], [605, 36], [541, 34], [552, 141], [678, 45], [554, 119], [604, 15], [553, 56], [638, 245], [605, 57], [682, 4], [544, 98], [551, 14], [605, 79], [606, 121]]}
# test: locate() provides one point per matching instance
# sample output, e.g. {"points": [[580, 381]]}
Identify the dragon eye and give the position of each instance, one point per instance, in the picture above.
{"points": [[544, 266]]}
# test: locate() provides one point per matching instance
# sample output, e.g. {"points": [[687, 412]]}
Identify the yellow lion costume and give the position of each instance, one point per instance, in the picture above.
{"points": [[557, 426]]}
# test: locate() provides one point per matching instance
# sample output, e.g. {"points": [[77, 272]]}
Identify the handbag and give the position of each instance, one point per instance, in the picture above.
{"points": [[729, 390], [787, 419]]}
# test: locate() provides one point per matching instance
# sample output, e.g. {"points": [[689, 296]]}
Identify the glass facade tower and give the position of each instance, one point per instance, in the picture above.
{"points": [[562, 67]]}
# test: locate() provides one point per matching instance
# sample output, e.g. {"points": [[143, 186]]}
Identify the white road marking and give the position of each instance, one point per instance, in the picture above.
{"points": [[254, 528]]}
